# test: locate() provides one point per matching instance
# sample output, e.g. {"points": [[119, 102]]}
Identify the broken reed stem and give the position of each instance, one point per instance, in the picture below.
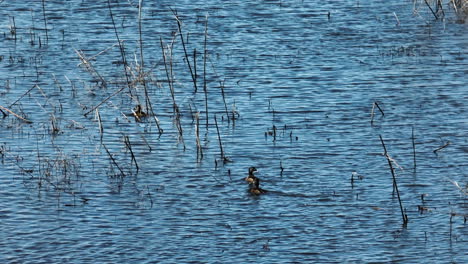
{"points": [[274, 133], [146, 142], [16, 115], [195, 63], [141, 73], [414, 148], [222, 88], [403, 215], [150, 197], [219, 138], [105, 100], [55, 128], [45, 21], [380, 109], [13, 27], [439, 7], [142, 62], [396, 17], [21, 97], [179, 25], [113, 160], [375, 104], [441, 147], [179, 127], [224, 98], [122, 50], [205, 52], [150, 108], [129, 146], [168, 76], [435, 15], [89, 67], [197, 133], [101, 129]]}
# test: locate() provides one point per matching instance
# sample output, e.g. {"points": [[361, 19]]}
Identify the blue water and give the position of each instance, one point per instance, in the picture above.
{"points": [[281, 63]]}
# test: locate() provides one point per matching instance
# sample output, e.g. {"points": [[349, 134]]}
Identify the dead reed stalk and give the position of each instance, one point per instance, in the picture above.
{"points": [[205, 89], [179, 25], [374, 105], [15, 114], [168, 71], [389, 160], [221, 84], [149, 195], [122, 49], [13, 27], [129, 147], [414, 148], [101, 128], [430, 8], [141, 74], [461, 9], [45, 21], [55, 127], [197, 133], [441, 147], [105, 100], [114, 161], [89, 67], [219, 139]]}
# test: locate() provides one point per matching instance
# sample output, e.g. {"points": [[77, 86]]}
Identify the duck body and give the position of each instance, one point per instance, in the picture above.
{"points": [[138, 112], [255, 189], [251, 178]]}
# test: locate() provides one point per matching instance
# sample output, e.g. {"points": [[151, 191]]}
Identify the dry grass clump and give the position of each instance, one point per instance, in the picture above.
{"points": [[437, 8], [461, 9]]}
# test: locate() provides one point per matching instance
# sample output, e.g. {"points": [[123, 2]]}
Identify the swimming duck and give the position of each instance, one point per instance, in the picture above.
{"points": [[256, 187], [138, 112], [251, 177]]}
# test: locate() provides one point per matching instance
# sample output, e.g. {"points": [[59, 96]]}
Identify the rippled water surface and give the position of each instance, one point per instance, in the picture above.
{"points": [[292, 85]]}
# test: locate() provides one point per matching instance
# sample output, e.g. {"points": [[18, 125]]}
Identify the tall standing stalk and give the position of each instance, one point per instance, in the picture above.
{"points": [[414, 148], [169, 75], [197, 132], [122, 50], [141, 74], [179, 25], [45, 21], [205, 89]]}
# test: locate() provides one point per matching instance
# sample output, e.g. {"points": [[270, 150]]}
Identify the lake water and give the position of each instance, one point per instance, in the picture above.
{"points": [[300, 79]]}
